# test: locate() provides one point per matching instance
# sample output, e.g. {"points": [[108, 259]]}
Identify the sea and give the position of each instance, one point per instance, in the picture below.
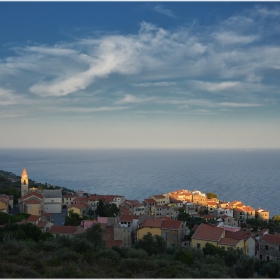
{"points": [[251, 176]]}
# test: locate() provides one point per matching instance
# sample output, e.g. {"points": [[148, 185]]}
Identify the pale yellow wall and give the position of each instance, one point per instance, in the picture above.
{"points": [[202, 243], [3, 205], [239, 245], [77, 210], [33, 209], [143, 231]]}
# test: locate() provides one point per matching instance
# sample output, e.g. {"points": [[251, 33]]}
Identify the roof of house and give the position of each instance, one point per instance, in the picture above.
{"points": [[212, 203], [150, 200], [127, 218], [38, 195], [63, 229], [207, 232], [33, 201], [124, 211], [271, 238], [52, 193], [42, 223], [159, 196], [229, 241], [248, 208], [153, 223], [240, 235], [80, 205], [33, 218], [171, 224]]}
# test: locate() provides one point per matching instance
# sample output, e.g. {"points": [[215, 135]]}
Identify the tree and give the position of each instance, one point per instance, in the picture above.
{"points": [[72, 219], [211, 195], [106, 209], [212, 250], [276, 218], [151, 244], [95, 234], [184, 257]]}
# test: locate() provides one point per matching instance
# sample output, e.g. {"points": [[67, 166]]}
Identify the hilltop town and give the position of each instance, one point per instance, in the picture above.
{"points": [[223, 224]]}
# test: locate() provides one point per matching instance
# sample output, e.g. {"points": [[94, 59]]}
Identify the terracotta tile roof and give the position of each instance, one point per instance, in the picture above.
{"points": [[63, 229], [42, 223], [154, 223], [150, 200], [275, 239], [229, 241], [239, 209], [159, 196], [80, 199], [111, 243], [171, 224], [224, 216], [127, 218], [80, 205], [212, 203], [240, 235], [46, 213], [124, 211], [40, 196], [33, 218], [207, 232], [33, 201], [248, 208]]}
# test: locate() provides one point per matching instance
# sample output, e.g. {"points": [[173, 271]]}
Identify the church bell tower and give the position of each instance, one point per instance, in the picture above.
{"points": [[24, 183]]}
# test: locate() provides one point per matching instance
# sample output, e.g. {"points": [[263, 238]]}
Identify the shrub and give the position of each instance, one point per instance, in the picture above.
{"points": [[184, 257]]}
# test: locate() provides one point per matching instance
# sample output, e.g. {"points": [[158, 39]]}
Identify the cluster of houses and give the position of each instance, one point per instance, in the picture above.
{"points": [[156, 214]]}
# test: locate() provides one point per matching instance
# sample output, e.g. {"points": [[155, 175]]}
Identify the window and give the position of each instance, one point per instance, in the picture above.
{"points": [[266, 247], [267, 258], [260, 256], [198, 246]]}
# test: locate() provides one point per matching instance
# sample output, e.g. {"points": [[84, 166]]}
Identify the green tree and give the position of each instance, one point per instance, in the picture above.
{"points": [[184, 257], [73, 219], [212, 250], [211, 195], [151, 244], [95, 234]]}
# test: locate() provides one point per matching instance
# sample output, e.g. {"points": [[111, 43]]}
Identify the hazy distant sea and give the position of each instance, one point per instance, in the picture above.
{"points": [[250, 176]]}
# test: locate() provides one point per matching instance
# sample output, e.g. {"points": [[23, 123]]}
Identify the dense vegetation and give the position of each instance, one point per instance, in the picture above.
{"points": [[28, 253]]}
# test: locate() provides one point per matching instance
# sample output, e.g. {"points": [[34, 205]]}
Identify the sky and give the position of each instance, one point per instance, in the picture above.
{"points": [[140, 75]]}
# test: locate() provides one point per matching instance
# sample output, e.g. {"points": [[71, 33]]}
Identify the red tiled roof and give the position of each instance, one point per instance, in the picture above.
{"points": [[248, 208], [33, 218], [228, 241], [207, 232], [275, 239], [40, 196], [239, 235], [171, 224], [33, 201], [159, 196], [80, 205], [210, 216], [63, 229], [154, 223], [212, 203], [111, 243], [124, 211], [42, 223], [127, 218], [195, 227]]}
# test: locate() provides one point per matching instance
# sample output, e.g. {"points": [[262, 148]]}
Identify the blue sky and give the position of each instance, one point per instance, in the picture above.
{"points": [[140, 74]]}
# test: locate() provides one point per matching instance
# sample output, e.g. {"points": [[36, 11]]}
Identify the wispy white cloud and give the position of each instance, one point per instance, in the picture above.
{"points": [[229, 38], [162, 10]]}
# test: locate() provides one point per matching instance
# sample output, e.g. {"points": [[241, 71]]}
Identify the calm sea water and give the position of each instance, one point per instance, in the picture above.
{"points": [[252, 177]]}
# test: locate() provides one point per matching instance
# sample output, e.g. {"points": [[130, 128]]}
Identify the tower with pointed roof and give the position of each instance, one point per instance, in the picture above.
{"points": [[24, 183]]}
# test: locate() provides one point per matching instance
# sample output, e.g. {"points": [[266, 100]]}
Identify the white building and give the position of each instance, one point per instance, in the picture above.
{"points": [[52, 200]]}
